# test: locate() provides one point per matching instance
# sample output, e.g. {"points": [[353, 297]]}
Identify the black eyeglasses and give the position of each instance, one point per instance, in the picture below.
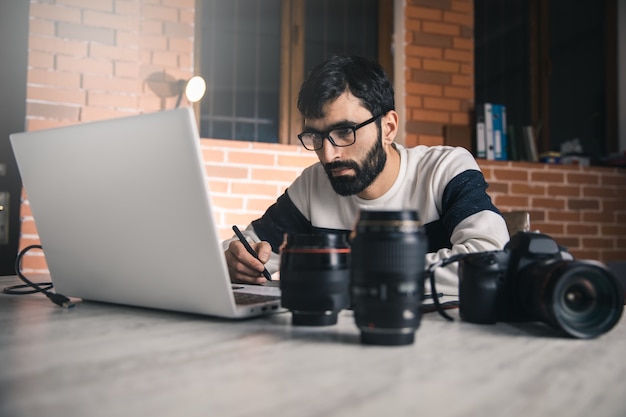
{"points": [[338, 136]]}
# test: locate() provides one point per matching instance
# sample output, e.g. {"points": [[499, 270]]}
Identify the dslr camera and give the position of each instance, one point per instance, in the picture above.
{"points": [[534, 279]]}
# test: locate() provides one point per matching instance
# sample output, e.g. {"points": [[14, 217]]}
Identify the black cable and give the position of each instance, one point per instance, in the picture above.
{"points": [[42, 287], [431, 274]]}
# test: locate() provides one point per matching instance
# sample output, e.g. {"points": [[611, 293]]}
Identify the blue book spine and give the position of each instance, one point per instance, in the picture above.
{"points": [[499, 134]]}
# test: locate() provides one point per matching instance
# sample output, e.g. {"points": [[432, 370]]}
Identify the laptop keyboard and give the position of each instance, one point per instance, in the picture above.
{"points": [[247, 298]]}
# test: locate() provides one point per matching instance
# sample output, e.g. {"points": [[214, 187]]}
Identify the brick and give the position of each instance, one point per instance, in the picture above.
{"points": [[613, 205], [213, 155], [583, 204], [425, 128], [549, 203], [53, 111], [84, 65], [127, 8], [510, 175], [114, 52], [441, 104], [612, 230], [112, 100], [464, 19], [528, 189], [267, 174], [549, 228], [464, 6], [431, 39], [226, 172], [425, 13], [85, 33], [520, 202], [183, 30], [424, 52], [180, 4], [217, 185], [597, 217], [498, 187], [57, 46], [460, 118], [228, 202], [618, 179], [120, 85], [51, 12], [430, 115], [56, 95], [93, 113], [255, 189], [462, 81], [599, 192], [582, 229], [424, 89], [297, 161], [126, 70], [458, 92], [430, 77], [40, 59], [564, 191], [159, 13], [463, 43], [250, 158], [259, 204], [457, 55], [41, 27], [437, 65], [598, 243], [102, 5], [575, 178], [109, 20], [441, 28], [564, 216], [430, 140], [551, 177], [57, 79], [153, 42]]}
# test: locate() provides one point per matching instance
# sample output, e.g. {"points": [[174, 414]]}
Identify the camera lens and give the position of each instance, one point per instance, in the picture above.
{"points": [[581, 298], [315, 277], [388, 255]]}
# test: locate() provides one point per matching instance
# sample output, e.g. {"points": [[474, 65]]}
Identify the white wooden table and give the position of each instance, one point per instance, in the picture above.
{"points": [[107, 360]]}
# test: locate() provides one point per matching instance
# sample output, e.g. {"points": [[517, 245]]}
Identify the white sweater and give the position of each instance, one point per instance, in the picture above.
{"points": [[443, 183]]}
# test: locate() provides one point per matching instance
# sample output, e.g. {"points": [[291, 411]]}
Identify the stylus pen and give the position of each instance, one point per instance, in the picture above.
{"points": [[251, 251]]}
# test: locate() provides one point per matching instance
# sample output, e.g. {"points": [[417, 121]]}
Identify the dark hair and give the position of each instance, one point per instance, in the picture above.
{"points": [[365, 79]]}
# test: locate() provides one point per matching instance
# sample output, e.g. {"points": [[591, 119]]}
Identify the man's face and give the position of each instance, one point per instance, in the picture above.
{"points": [[353, 168]]}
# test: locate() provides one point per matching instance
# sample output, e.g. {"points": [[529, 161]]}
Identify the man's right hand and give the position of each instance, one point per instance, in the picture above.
{"points": [[245, 268]]}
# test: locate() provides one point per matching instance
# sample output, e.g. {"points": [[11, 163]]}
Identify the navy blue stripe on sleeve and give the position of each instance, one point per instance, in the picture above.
{"points": [[465, 195], [280, 218]]}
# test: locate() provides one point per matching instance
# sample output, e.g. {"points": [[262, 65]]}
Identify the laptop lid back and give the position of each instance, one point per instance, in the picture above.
{"points": [[123, 212]]}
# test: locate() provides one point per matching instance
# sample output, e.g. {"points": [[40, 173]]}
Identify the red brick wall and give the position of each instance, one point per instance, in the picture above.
{"points": [[440, 68], [89, 60]]}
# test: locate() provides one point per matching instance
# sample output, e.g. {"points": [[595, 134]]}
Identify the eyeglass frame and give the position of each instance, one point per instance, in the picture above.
{"points": [[326, 135]]}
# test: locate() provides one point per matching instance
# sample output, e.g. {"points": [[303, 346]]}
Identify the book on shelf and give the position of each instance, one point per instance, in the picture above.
{"points": [[530, 146], [500, 146], [484, 131], [481, 139]]}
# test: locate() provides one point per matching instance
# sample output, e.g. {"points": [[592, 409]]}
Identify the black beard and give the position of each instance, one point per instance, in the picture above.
{"points": [[363, 177]]}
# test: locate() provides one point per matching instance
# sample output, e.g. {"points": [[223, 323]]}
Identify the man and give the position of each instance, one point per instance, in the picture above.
{"points": [[350, 122]]}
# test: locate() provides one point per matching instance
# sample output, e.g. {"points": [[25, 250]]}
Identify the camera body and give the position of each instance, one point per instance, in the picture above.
{"points": [[534, 279]]}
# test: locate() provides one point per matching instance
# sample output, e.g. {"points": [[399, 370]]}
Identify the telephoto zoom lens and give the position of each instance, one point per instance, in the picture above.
{"points": [[387, 276], [315, 277]]}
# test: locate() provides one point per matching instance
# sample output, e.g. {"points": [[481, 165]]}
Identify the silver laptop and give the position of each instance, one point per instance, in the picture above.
{"points": [[124, 215]]}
